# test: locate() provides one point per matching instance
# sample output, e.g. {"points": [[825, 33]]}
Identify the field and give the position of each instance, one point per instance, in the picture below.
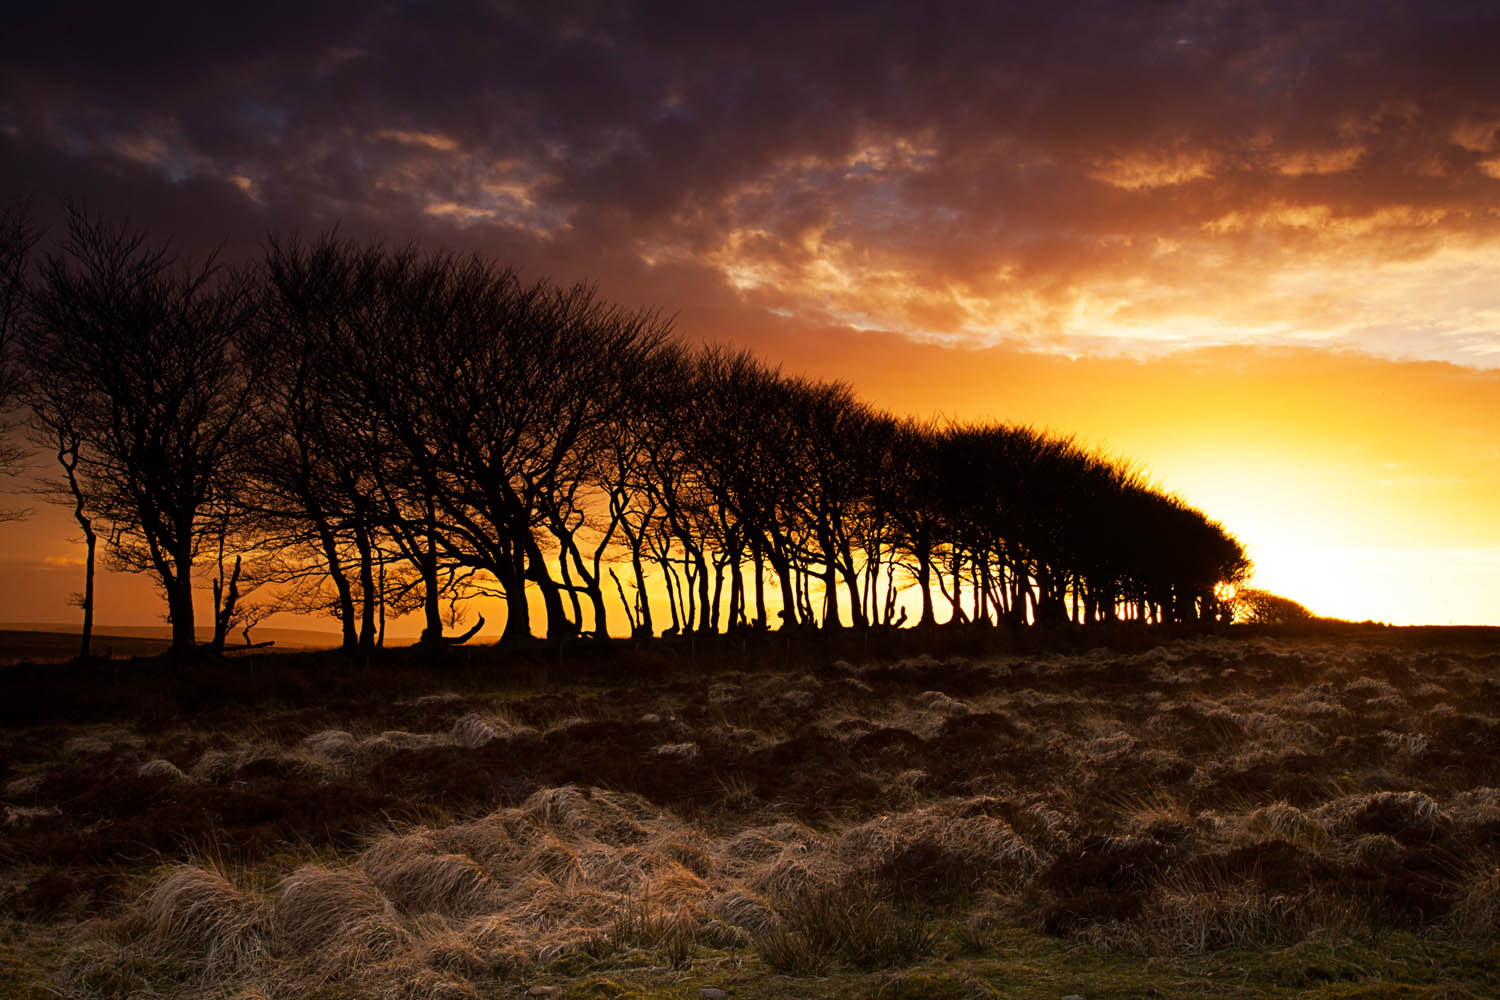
{"points": [[44, 643], [1246, 815]]}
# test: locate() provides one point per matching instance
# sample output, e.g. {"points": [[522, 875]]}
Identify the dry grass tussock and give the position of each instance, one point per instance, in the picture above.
{"points": [[339, 754], [580, 869], [197, 911]]}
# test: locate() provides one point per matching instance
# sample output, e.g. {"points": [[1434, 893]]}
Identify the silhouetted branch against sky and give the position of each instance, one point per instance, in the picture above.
{"points": [[927, 200]]}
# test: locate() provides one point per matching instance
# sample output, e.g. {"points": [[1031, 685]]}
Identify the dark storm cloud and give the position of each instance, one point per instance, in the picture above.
{"points": [[971, 167]]}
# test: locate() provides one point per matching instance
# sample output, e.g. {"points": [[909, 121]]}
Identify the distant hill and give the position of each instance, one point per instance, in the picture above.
{"points": [[41, 641]]}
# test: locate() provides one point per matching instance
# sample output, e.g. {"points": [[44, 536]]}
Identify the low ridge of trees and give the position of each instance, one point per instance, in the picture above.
{"points": [[379, 430], [1261, 607]]}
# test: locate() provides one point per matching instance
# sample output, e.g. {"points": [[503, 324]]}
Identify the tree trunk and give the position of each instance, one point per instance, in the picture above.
{"points": [[567, 584], [90, 540], [225, 599], [851, 584], [736, 592], [643, 600], [558, 625], [601, 619], [760, 586], [180, 605], [830, 595], [67, 455], [981, 589], [669, 580], [366, 548], [344, 592], [517, 603], [705, 624], [924, 583], [713, 615], [956, 614], [789, 592]]}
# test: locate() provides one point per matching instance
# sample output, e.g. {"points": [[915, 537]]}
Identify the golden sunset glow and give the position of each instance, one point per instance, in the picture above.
{"points": [[1252, 249]]}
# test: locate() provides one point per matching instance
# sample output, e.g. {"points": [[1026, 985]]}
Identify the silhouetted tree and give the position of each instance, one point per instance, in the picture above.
{"points": [[139, 349], [916, 497], [494, 393], [318, 448], [1261, 607], [749, 457], [833, 488], [427, 427], [51, 426]]}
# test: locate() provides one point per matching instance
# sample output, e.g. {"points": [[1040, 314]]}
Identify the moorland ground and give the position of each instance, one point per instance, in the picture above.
{"points": [[1248, 814]]}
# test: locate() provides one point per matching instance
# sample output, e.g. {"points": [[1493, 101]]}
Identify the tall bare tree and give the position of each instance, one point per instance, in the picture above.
{"points": [[316, 463], [139, 349]]}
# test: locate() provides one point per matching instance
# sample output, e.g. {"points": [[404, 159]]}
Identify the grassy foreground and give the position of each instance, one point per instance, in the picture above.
{"points": [[1014, 963], [1313, 815]]}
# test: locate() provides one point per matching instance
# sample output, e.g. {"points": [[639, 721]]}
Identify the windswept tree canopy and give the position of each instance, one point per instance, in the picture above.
{"points": [[1261, 607], [396, 429]]}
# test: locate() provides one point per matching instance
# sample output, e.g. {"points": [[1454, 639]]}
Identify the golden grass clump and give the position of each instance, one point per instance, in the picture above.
{"points": [[1416, 814], [1476, 806], [334, 752], [1375, 850], [161, 768], [1105, 748], [1476, 912], [792, 872], [440, 946], [546, 909], [748, 847], [331, 743], [498, 942], [472, 732], [578, 812], [646, 923], [957, 836], [214, 765], [338, 914], [419, 876], [101, 744], [677, 751], [743, 909], [614, 869], [688, 850], [1281, 821], [489, 840], [847, 922], [1195, 915], [1367, 689], [550, 857], [197, 912]]}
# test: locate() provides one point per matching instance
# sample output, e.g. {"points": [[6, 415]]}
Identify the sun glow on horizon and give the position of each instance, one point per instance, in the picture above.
{"points": [[1372, 583]]}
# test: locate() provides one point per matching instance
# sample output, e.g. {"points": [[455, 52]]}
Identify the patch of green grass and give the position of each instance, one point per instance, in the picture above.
{"points": [[928, 984], [126, 975], [1025, 965], [29, 959], [849, 925]]}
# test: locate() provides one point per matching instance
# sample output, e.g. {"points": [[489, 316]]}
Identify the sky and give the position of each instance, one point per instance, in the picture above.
{"points": [[1254, 247]]}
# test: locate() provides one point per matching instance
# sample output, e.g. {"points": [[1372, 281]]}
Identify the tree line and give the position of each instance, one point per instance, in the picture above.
{"points": [[371, 431]]}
